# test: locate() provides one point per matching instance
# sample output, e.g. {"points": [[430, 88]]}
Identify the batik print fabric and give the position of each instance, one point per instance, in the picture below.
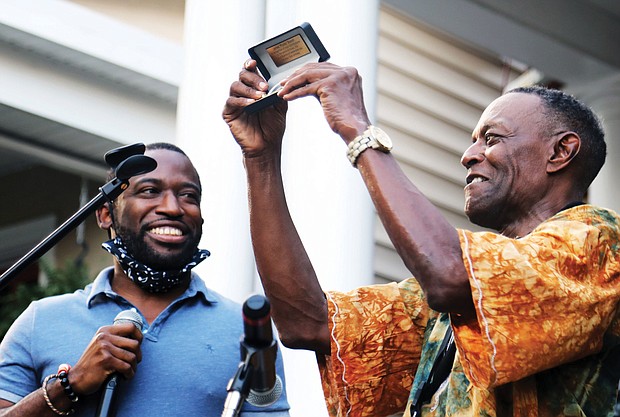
{"points": [[378, 333], [545, 342]]}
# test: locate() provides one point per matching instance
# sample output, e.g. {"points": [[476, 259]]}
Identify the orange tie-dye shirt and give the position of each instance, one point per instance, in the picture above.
{"points": [[546, 341]]}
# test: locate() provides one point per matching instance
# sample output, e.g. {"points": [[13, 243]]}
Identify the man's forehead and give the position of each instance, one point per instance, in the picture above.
{"points": [[171, 163], [166, 158], [509, 109], [165, 154]]}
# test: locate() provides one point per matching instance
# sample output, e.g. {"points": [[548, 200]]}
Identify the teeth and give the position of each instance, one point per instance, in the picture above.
{"points": [[170, 231], [477, 179]]}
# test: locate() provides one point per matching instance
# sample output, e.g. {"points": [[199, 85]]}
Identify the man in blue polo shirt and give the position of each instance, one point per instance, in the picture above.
{"points": [[188, 349]]}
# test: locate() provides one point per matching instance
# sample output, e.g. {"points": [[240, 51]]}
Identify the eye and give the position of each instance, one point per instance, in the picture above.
{"points": [[491, 138], [149, 191], [191, 195]]}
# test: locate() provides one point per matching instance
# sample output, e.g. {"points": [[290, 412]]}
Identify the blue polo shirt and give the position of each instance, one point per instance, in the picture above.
{"points": [[189, 353]]}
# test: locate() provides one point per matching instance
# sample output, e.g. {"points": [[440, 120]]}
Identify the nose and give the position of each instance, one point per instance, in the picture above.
{"points": [[170, 205], [473, 155]]}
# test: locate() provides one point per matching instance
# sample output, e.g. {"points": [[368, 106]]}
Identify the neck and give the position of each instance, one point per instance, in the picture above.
{"points": [[149, 304], [528, 222]]}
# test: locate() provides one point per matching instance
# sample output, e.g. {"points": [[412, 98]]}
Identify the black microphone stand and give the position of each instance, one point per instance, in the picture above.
{"points": [[127, 161], [239, 385]]}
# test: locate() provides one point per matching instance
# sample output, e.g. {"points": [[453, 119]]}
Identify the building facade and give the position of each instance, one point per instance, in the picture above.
{"points": [[81, 77]]}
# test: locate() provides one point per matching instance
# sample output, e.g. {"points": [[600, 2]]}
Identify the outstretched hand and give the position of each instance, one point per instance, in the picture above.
{"points": [[258, 132]]}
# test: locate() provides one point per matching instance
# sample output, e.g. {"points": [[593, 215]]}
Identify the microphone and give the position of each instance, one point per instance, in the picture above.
{"points": [[107, 396], [255, 380], [265, 385]]}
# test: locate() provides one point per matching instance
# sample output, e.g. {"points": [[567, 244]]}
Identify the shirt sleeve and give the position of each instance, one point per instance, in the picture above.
{"points": [[17, 375], [376, 341], [541, 301]]}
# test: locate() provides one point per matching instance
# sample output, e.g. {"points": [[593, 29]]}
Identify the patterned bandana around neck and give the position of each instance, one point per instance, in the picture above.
{"points": [[147, 278]]}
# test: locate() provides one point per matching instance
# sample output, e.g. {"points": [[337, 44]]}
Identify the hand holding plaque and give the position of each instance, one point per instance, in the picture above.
{"points": [[280, 56]]}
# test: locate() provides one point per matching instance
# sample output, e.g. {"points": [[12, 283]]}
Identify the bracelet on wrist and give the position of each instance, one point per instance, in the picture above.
{"points": [[63, 378], [47, 397]]}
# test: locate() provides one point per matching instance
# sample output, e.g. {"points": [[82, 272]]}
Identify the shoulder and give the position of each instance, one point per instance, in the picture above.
{"points": [[62, 302], [585, 224], [51, 312], [222, 302], [606, 220], [199, 285], [214, 299], [591, 215], [46, 315]]}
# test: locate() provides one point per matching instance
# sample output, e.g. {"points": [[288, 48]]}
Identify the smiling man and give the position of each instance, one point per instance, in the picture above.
{"points": [[523, 322], [188, 350]]}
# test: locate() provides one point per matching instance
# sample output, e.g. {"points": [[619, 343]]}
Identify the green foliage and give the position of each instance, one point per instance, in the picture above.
{"points": [[67, 279]]}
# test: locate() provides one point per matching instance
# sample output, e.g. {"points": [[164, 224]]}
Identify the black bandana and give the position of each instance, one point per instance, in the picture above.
{"points": [[147, 278]]}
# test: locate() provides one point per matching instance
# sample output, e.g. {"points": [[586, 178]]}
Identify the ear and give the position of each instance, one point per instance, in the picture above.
{"points": [[104, 217], [565, 148]]}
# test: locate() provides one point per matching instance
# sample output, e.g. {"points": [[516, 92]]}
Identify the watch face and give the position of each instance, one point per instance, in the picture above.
{"points": [[381, 137]]}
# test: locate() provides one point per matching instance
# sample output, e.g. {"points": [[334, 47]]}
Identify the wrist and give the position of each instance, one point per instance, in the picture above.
{"points": [[371, 138], [55, 397], [265, 162], [354, 129]]}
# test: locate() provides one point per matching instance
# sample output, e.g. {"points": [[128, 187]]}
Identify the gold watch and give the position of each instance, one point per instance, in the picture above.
{"points": [[373, 138]]}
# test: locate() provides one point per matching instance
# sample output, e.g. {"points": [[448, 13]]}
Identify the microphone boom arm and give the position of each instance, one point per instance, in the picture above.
{"points": [[54, 237], [131, 166]]}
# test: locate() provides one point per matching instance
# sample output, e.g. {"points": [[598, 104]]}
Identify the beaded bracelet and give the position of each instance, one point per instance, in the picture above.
{"points": [[63, 376], [47, 398]]}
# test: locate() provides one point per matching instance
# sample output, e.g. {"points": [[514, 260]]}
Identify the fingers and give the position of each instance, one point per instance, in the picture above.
{"points": [[123, 342], [250, 83], [313, 78], [250, 64], [113, 349], [338, 89], [258, 133], [125, 329], [234, 106], [246, 90], [118, 354], [243, 89]]}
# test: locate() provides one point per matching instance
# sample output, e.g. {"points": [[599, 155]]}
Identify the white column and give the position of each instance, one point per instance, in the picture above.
{"points": [[328, 201], [217, 35], [326, 196], [604, 98]]}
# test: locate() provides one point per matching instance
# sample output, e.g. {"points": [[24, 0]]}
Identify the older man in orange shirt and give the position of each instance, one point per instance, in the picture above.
{"points": [[517, 323]]}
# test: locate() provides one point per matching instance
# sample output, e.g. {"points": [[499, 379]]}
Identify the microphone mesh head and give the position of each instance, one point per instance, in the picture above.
{"points": [[264, 399], [129, 316]]}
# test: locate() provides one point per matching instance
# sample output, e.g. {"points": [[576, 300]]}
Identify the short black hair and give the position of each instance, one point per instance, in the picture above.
{"points": [[564, 111], [155, 146], [164, 145]]}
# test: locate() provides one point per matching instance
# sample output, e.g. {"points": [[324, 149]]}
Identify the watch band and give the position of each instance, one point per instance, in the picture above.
{"points": [[373, 138]]}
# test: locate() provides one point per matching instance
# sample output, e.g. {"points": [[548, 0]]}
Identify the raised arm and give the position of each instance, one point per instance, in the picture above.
{"points": [[299, 307], [426, 242]]}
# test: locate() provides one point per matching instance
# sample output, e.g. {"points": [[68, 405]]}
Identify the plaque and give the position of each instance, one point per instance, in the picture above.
{"points": [[280, 56]]}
